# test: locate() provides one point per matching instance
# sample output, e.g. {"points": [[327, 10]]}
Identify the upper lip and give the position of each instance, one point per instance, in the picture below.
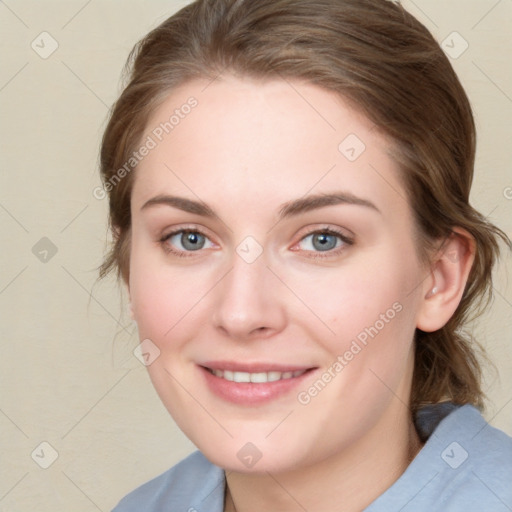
{"points": [[255, 367]]}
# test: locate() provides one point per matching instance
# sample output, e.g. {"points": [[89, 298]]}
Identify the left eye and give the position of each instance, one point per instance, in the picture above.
{"points": [[189, 241], [321, 241]]}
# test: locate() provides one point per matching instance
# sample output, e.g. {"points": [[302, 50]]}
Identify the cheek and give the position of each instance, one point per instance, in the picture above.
{"points": [[154, 304], [349, 300], [376, 329], [165, 299]]}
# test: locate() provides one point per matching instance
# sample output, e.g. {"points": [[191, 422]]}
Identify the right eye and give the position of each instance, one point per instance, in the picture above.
{"points": [[186, 240]]}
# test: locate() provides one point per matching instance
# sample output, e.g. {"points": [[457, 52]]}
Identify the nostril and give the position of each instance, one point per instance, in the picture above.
{"points": [[258, 331]]}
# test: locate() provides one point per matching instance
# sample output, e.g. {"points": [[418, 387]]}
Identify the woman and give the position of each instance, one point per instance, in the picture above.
{"points": [[289, 186]]}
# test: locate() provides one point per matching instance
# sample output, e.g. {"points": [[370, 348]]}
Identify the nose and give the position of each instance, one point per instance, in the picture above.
{"points": [[248, 302]]}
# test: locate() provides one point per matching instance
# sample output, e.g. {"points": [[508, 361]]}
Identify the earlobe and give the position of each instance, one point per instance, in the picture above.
{"points": [[444, 289]]}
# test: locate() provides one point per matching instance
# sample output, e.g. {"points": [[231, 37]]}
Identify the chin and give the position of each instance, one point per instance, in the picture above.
{"points": [[252, 457]]}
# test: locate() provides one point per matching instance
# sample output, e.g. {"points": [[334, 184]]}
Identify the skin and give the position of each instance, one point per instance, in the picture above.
{"points": [[247, 149]]}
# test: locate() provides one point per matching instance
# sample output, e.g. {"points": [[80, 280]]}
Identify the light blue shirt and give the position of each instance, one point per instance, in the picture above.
{"points": [[464, 466]]}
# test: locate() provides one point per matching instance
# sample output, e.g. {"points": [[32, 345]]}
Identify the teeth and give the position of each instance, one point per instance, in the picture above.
{"points": [[258, 378], [241, 377]]}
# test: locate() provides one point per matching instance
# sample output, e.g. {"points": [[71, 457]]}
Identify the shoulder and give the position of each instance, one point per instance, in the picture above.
{"points": [[479, 461], [470, 462], [475, 442], [465, 465], [191, 485]]}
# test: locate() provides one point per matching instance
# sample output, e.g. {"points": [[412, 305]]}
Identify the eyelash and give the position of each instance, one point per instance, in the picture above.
{"points": [[346, 241], [176, 252]]}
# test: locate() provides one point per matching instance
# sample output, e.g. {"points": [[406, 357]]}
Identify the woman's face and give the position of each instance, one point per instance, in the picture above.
{"points": [[272, 242]]}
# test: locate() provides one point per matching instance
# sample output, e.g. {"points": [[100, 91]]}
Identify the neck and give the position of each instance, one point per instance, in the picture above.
{"points": [[347, 481]]}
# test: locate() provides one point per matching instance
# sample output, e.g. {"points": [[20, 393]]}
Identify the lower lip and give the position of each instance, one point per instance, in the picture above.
{"points": [[249, 393]]}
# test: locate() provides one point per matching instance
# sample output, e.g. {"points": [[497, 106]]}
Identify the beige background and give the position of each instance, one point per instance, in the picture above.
{"points": [[67, 373]]}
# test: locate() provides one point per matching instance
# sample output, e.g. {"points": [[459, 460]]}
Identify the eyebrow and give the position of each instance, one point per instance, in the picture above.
{"points": [[313, 202], [289, 209], [182, 203]]}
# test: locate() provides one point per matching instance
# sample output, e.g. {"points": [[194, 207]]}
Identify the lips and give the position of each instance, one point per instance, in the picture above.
{"points": [[252, 383]]}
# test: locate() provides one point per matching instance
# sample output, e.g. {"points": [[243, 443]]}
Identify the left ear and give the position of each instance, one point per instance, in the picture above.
{"points": [[443, 290]]}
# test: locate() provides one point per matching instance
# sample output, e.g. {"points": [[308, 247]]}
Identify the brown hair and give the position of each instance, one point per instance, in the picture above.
{"points": [[386, 64]]}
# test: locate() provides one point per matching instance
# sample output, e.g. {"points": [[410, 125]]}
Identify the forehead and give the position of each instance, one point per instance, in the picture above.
{"points": [[249, 137]]}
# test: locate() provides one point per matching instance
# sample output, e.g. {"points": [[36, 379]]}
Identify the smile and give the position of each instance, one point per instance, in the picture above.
{"points": [[252, 384], [258, 378]]}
